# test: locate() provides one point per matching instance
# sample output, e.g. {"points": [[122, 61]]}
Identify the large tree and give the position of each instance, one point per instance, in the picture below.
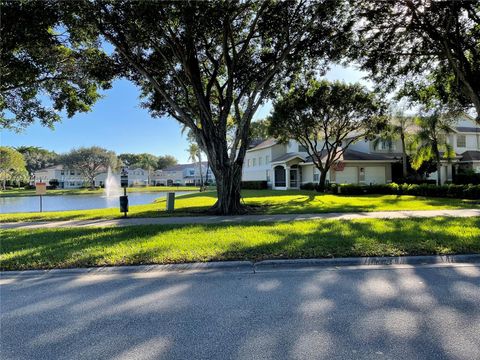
{"points": [[43, 69], [90, 161], [205, 62], [398, 127], [326, 117], [166, 161], [427, 45], [431, 141], [37, 158], [11, 164]]}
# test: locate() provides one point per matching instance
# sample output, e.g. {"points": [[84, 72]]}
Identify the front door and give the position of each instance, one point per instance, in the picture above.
{"points": [[294, 178]]}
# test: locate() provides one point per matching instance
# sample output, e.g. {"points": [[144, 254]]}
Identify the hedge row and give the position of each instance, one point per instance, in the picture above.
{"points": [[451, 191], [254, 185]]}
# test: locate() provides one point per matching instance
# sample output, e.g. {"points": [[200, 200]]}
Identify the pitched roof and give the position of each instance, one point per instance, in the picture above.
{"points": [[468, 129], [53, 167], [471, 156], [180, 167], [288, 156], [353, 155], [264, 144]]}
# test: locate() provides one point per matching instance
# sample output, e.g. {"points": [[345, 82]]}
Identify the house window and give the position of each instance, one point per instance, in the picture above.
{"points": [[62, 172], [253, 162], [461, 141], [248, 163], [302, 148], [268, 175], [267, 159], [316, 176], [72, 172], [72, 183], [260, 161], [361, 175], [385, 145]]}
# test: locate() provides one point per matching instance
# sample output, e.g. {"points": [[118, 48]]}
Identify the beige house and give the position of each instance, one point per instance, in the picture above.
{"points": [[287, 166]]}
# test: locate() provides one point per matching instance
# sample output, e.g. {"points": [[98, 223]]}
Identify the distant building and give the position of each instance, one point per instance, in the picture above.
{"points": [[73, 178], [182, 174]]}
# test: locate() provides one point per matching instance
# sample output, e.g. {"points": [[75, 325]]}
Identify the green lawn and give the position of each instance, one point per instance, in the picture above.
{"points": [[30, 192], [269, 202], [81, 247]]}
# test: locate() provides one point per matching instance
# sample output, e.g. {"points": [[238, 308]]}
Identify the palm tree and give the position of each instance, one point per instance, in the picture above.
{"points": [[431, 140], [397, 129], [195, 154]]}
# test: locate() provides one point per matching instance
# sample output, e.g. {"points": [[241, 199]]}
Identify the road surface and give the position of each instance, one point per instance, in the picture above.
{"points": [[390, 312]]}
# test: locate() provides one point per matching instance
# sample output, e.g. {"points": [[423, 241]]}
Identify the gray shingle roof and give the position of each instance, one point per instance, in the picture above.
{"points": [[287, 156], [468, 129], [180, 167], [471, 156], [353, 155], [264, 144]]}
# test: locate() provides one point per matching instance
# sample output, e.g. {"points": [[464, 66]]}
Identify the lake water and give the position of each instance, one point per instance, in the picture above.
{"points": [[75, 202]]}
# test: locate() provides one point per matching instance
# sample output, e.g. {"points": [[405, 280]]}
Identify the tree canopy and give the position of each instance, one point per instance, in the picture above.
{"points": [[37, 158], [326, 117], [11, 164], [146, 161], [429, 50], [44, 69], [90, 161]]}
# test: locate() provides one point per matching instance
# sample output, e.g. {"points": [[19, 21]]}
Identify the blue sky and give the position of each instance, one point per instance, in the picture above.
{"points": [[118, 123]]}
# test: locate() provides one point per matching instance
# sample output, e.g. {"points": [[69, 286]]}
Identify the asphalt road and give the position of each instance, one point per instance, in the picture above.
{"points": [[402, 312]]}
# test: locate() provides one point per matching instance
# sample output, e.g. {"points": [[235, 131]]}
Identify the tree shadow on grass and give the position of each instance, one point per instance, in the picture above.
{"points": [[48, 248]]}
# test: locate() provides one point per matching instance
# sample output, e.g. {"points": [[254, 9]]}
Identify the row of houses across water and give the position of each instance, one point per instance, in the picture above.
{"points": [[176, 175]]}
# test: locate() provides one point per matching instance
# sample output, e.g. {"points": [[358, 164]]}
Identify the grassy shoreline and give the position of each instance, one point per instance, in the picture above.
{"points": [[83, 191], [267, 202], [23, 249]]}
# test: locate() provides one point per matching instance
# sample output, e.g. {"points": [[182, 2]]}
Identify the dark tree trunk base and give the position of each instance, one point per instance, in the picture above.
{"points": [[238, 209]]}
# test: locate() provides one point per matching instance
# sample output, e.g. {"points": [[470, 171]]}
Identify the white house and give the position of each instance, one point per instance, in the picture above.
{"points": [[136, 177], [287, 166], [182, 174], [73, 178]]}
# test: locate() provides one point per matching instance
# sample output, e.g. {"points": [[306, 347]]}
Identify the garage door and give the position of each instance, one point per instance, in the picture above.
{"points": [[375, 175], [347, 176]]}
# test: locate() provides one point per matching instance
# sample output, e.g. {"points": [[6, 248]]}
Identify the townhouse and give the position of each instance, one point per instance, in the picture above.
{"points": [[288, 166], [183, 174]]}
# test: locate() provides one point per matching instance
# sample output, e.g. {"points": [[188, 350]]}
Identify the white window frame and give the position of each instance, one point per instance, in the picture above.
{"points": [[461, 144], [254, 162], [260, 161]]}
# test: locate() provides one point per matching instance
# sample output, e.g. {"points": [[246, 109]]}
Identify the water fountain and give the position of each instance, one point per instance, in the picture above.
{"points": [[112, 185]]}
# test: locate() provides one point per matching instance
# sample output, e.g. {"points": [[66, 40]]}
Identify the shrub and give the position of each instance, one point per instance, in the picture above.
{"points": [[309, 186], [254, 185], [467, 177], [54, 183], [427, 190]]}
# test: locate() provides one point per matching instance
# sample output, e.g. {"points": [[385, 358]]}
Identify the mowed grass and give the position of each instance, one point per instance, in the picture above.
{"points": [[31, 192], [83, 247], [266, 202]]}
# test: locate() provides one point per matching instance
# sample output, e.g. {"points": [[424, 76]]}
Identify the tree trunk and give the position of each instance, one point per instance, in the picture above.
{"points": [[200, 169], [439, 168], [404, 157], [322, 181], [228, 179]]}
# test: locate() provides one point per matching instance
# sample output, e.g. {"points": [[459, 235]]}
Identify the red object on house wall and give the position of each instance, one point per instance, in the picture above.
{"points": [[339, 166]]}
